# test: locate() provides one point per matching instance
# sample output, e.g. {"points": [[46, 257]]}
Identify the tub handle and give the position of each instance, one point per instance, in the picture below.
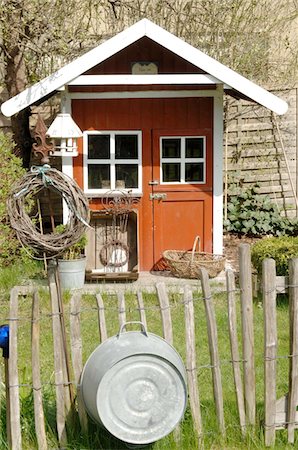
{"points": [[144, 330]]}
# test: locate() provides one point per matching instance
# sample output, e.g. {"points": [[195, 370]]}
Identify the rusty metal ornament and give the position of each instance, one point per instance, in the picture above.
{"points": [[42, 146], [118, 201], [115, 252]]}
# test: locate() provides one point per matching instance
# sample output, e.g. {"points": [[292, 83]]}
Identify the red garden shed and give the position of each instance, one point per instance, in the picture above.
{"points": [[150, 107]]}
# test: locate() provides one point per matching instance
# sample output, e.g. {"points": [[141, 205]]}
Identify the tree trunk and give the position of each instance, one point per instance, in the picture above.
{"points": [[16, 79], [21, 135]]}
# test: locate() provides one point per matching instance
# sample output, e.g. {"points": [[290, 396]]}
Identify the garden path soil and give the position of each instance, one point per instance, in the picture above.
{"points": [[231, 248]]}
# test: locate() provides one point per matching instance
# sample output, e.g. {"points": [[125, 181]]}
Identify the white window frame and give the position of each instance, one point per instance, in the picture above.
{"points": [[112, 161], [183, 160]]}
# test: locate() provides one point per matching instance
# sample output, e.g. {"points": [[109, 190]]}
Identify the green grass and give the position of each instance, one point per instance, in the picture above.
{"points": [[99, 439]]}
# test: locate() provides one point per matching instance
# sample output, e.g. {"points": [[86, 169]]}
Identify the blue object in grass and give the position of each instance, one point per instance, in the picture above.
{"points": [[4, 340]]}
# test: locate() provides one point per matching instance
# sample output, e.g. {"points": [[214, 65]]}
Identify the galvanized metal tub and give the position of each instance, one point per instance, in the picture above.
{"points": [[134, 384]]}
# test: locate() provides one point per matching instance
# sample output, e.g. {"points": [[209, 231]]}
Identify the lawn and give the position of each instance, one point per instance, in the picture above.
{"points": [[97, 438]]}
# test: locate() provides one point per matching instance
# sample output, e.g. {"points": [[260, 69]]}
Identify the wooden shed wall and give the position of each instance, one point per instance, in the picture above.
{"points": [[254, 148]]}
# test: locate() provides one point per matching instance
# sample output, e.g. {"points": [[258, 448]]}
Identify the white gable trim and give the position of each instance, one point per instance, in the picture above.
{"points": [[216, 69], [104, 80], [73, 70], [143, 28], [141, 94]]}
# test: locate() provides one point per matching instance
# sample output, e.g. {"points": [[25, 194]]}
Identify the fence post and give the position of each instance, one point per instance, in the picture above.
{"points": [[191, 367], [101, 318], [293, 371], [13, 377], [165, 312], [230, 278], [141, 308], [245, 279], [167, 331], [76, 354], [270, 348], [36, 382], [213, 349], [58, 361], [121, 308]]}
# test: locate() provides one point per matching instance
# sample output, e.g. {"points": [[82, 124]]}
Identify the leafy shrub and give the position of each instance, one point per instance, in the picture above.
{"points": [[76, 250], [11, 170], [18, 273], [279, 248], [254, 214]]}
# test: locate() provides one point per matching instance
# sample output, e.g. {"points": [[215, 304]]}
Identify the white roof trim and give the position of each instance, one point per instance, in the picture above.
{"points": [[93, 80], [140, 29], [144, 94]]}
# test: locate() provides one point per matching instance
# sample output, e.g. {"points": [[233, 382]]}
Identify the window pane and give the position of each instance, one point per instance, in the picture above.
{"points": [[126, 146], [171, 148], [99, 146], [127, 176], [99, 176], [171, 172], [194, 148], [194, 172]]}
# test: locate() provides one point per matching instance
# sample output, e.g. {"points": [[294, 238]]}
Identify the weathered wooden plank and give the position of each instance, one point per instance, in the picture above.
{"points": [[293, 371], [91, 248], [249, 163], [76, 355], [255, 126], [266, 177], [121, 308], [245, 280], [101, 318], [282, 413], [115, 276], [7, 401], [270, 350], [69, 397], [165, 312], [213, 349], [58, 363], [142, 308], [36, 382], [13, 376], [191, 364], [167, 331], [232, 318], [265, 138]]}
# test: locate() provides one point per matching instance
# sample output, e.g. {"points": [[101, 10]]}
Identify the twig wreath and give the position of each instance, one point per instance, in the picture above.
{"points": [[108, 254], [39, 178]]}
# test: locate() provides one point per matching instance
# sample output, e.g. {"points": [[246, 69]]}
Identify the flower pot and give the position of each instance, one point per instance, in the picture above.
{"points": [[72, 273]]}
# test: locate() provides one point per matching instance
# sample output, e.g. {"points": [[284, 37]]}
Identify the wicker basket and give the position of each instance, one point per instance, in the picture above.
{"points": [[187, 264]]}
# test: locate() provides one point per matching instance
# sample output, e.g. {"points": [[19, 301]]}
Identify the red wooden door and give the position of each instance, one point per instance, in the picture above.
{"points": [[182, 209], [172, 222]]}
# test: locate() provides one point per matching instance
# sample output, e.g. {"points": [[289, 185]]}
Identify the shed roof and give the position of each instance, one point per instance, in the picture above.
{"points": [[241, 86]]}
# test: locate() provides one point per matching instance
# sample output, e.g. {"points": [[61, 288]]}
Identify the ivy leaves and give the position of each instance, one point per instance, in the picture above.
{"points": [[253, 214]]}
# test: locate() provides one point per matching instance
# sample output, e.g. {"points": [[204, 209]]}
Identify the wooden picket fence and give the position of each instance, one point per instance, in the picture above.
{"points": [[278, 413]]}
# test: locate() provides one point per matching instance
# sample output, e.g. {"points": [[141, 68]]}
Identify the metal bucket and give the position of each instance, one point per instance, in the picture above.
{"points": [[72, 273], [134, 384]]}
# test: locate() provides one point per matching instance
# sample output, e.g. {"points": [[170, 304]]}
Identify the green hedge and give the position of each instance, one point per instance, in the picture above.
{"points": [[11, 170], [279, 248]]}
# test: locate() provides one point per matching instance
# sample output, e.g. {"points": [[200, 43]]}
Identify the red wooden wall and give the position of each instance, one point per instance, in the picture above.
{"points": [[187, 211]]}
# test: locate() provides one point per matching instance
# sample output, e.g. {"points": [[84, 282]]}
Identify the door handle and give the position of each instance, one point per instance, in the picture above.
{"points": [[158, 196]]}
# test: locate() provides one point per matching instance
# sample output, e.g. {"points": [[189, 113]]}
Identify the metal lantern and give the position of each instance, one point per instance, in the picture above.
{"points": [[65, 132]]}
